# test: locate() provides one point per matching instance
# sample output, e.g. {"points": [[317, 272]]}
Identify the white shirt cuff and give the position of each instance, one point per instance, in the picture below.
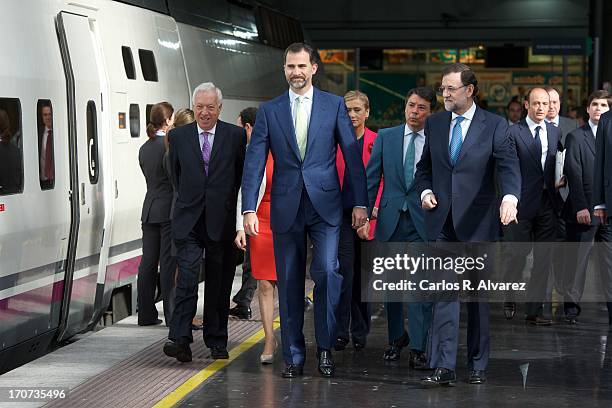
{"points": [[424, 193], [601, 207], [247, 211], [511, 198]]}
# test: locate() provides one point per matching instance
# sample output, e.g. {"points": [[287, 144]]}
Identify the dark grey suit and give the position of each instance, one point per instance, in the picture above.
{"points": [[156, 234], [579, 163]]}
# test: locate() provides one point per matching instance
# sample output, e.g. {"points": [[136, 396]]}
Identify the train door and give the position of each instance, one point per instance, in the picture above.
{"points": [[83, 82]]}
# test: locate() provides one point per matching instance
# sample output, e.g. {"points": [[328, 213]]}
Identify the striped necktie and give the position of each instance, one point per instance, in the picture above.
{"points": [[456, 140], [301, 125]]}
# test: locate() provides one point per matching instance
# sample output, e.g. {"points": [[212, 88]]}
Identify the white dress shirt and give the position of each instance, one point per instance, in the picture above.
{"points": [[593, 128], [211, 136], [43, 154], [543, 137], [306, 102], [554, 121], [419, 143]]}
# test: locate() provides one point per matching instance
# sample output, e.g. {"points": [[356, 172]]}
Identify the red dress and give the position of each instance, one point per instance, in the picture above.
{"points": [[261, 247]]}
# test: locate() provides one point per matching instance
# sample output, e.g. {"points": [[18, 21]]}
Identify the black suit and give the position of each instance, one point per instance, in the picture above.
{"points": [[156, 233], [579, 164], [536, 211], [204, 217]]}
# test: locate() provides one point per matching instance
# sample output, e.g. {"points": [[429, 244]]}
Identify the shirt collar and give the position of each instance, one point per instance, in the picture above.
{"points": [[408, 130], [307, 95], [160, 133], [593, 127], [469, 114], [532, 125], [211, 131], [555, 120]]}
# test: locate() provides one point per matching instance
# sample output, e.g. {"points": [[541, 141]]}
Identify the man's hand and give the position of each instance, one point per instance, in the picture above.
{"points": [[507, 212], [429, 201], [240, 240], [583, 217], [602, 215], [251, 224], [561, 183], [360, 216], [364, 232], [374, 213]]}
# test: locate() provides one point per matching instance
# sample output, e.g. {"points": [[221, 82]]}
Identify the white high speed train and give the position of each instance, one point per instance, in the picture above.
{"points": [[77, 79]]}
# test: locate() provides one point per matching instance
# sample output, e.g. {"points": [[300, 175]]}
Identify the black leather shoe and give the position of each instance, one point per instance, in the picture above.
{"points": [[292, 371], [509, 310], [440, 376], [417, 360], [219, 353], [182, 352], [326, 364], [477, 377], [395, 348], [535, 320], [241, 312], [341, 343], [358, 345], [154, 323]]}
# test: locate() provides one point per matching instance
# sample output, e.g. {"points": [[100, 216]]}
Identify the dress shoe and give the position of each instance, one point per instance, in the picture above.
{"points": [[308, 304], [440, 376], [182, 352], [395, 348], [326, 364], [292, 371], [418, 360], [358, 345], [240, 312], [219, 353], [153, 323], [341, 343], [509, 310], [268, 358], [477, 377], [535, 320]]}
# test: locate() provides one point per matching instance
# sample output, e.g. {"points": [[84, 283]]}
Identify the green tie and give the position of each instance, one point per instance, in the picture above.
{"points": [[409, 167], [301, 125]]}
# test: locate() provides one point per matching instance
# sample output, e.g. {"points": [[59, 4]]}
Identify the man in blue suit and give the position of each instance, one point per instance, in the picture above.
{"points": [[536, 146], [302, 128], [395, 155], [464, 148]]}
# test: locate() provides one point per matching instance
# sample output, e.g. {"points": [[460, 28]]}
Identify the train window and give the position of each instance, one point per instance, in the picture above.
{"points": [[147, 63], [128, 62], [11, 147], [148, 112], [92, 142], [46, 151], [134, 120]]}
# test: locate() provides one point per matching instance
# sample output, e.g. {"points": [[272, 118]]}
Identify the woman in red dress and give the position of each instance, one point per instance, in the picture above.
{"points": [[263, 267]]}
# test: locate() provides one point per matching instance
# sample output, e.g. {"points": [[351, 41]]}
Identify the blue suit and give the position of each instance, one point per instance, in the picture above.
{"points": [[396, 226], [467, 211], [306, 198]]}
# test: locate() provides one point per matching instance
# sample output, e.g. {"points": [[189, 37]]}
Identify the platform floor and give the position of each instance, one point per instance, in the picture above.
{"points": [[123, 366], [566, 366]]}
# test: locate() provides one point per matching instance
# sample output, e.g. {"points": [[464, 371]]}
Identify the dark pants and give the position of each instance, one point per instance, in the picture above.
{"points": [[583, 236], [290, 257], [351, 310], [542, 229], [219, 265], [444, 337], [245, 295], [419, 313], [156, 250]]}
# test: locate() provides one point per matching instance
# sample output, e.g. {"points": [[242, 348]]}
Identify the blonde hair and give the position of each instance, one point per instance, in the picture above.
{"points": [[352, 95], [183, 117]]}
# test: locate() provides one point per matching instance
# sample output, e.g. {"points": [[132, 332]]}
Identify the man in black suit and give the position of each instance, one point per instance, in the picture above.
{"points": [[466, 149], [582, 228], [536, 145], [206, 158]]}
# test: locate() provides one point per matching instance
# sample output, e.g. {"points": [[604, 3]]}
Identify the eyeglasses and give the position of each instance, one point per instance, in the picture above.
{"points": [[450, 89]]}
